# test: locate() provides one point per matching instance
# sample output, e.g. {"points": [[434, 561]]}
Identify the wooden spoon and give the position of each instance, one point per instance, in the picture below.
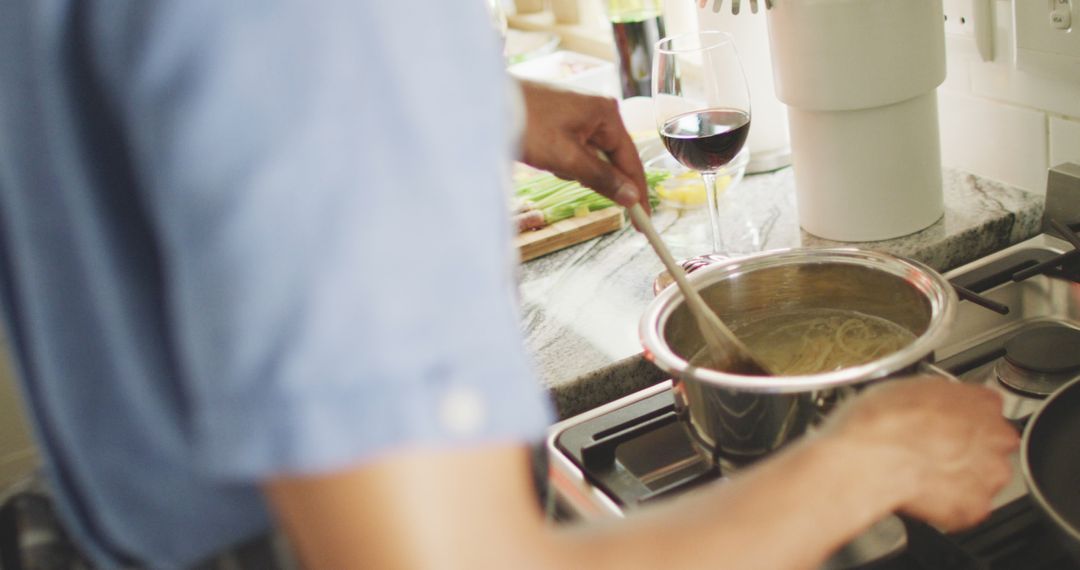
{"points": [[726, 352]]}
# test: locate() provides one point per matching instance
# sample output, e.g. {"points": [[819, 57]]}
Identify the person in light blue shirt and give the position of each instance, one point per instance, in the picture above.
{"points": [[255, 267], [246, 238]]}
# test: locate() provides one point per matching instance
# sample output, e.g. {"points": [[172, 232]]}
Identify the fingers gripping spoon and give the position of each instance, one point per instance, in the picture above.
{"points": [[726, 352]]}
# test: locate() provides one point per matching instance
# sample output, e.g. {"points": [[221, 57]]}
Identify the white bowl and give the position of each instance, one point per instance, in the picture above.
{"points": [[570, 70]]}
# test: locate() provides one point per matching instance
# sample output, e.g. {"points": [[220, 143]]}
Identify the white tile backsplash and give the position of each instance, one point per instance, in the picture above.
{"points": [[1004, 123], [1064, 141], [995, 140], [1003, 82], [957, 71]]}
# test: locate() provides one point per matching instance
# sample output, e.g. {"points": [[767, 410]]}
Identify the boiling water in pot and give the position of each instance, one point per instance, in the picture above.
{"points": [[812, 341]]}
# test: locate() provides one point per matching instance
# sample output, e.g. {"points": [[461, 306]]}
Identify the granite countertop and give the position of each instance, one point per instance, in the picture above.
{"points": [[581, 305]]}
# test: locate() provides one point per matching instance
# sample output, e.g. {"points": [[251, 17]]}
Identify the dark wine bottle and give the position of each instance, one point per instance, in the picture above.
{"points": [[636, 25]]}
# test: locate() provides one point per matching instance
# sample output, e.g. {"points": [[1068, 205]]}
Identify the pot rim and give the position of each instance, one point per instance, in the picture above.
{"points": [[937, 290], [1025, 465]]}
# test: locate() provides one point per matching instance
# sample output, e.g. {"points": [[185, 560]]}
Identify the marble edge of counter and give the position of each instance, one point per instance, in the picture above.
{"points": [[634, 373], [592, 389], [1014, 215]]}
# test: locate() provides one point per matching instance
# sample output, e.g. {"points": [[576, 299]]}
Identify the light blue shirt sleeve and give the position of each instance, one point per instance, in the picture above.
{"points": [[326, 182]]}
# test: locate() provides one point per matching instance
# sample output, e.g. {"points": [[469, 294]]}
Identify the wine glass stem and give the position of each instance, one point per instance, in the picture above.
{"points": [[714, 209]]}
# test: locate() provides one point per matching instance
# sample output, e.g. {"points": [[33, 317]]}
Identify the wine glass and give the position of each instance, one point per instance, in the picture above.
{"points": [[702, 109]]}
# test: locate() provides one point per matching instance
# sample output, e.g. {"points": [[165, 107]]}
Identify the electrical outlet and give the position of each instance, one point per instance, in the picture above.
{"points": [[1047, 41], [971, 22]]}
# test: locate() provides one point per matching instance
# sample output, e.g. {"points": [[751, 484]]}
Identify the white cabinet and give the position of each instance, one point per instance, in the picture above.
{"points": [[17, 453]]}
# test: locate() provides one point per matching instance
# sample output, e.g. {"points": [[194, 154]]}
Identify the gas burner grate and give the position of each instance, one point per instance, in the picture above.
{"points": [[1040, 359], [1014, 536], [638, 453]]}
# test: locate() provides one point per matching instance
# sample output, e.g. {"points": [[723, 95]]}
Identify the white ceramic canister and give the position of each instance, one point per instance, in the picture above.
{"points": [[860, 78]]}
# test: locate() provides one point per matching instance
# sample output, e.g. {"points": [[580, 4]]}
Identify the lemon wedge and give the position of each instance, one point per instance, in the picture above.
{"points": [[686, 190]]}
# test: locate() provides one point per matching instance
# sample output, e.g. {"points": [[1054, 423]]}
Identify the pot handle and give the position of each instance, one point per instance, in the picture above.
{"points": [[935, 370]]}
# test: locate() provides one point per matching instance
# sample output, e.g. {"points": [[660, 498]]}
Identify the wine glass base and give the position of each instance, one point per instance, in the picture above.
{"points": [[691, 264]]}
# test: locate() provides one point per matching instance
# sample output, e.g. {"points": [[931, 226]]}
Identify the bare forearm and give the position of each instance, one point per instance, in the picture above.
{"points": [[791, 512], [788, 512]]}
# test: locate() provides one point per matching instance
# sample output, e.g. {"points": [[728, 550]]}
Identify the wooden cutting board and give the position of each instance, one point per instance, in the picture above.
{"points": [[568, 232]]}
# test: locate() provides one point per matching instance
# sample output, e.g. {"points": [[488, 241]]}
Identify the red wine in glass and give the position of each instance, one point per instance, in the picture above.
{"points": [[705, 140]]}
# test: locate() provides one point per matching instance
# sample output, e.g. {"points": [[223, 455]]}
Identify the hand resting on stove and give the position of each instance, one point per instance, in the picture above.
{"points": [[929, 448], [946, 441]]}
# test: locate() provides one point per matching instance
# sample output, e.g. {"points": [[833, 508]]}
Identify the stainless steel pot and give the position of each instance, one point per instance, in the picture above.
{"points": [[740, 418]]}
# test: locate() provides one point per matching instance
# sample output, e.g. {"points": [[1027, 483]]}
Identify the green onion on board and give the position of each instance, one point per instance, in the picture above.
{"points": [[560, 199]]}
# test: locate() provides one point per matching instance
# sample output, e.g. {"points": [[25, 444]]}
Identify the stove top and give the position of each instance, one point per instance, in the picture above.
{"points": [[633, 451]]}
